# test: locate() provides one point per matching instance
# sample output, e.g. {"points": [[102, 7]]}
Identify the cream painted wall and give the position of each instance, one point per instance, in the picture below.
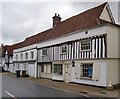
{"points": [[112, 41], [105, 15], [46, 75], [112, 71], [73, 36], [75, 71], [102, 72]]}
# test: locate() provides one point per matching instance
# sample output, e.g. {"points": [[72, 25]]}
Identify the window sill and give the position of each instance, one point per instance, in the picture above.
{"points": [[85, 50], [86, 79], [63, 53]]}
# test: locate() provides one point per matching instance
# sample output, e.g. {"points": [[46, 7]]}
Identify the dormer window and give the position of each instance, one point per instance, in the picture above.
{"points": [[85, 45], [44, 52]]}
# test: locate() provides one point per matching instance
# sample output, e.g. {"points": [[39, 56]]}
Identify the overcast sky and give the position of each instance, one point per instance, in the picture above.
{"points": [[23, 19]]}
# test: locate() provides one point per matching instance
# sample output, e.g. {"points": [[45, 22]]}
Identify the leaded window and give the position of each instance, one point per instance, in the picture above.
{"points": [[64, 49], [58, 68], [85, 45], [87, 70]]}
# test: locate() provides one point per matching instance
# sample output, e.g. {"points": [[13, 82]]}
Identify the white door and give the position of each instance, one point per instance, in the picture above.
{"points": [[31, 70], [67, 73]]}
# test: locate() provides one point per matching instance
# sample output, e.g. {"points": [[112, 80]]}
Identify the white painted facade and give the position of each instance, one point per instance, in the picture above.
{"points": [[104, 73], [29, 62]]}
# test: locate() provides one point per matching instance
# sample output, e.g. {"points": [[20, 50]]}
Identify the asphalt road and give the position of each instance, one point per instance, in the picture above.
{"points": [[16, 87]]}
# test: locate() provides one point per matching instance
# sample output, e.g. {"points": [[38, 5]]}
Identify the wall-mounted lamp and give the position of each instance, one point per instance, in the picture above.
{"points": [[73, 64]]}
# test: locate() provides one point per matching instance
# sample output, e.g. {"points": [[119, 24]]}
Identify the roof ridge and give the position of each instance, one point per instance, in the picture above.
{"points": [[101, 5]]}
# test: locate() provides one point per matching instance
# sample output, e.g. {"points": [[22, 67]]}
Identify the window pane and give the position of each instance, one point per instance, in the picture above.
{"points": [[44, 52], [85, 45], [42, 68], [87, 70], [32, 55], [64, 49], [58, 69]]}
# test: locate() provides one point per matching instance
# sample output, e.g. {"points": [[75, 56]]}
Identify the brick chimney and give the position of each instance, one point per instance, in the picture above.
{"points": [[56, 19]]}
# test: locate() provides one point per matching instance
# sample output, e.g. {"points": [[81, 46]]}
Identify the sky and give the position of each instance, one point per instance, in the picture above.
{"points": [[23, 19]]}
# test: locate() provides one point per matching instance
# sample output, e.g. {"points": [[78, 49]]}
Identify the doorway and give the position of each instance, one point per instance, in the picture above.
{"points": [[67, 73]]}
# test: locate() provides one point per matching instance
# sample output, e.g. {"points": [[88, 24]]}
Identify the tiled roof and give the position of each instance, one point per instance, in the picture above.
{"points": [[81, 21], [85, 20], [9, 49]]}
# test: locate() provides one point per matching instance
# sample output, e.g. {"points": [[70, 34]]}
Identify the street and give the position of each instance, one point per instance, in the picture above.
{"points": [[16, 87]]}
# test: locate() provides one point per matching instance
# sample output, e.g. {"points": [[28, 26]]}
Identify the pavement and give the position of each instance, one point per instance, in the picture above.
{"points": [[88, 91]]}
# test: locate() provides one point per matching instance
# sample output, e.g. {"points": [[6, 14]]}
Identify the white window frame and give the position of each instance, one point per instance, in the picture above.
{"points": [[57, 70], [85, 42], [46, 69], [44, 53], [63, 46], [32, 55], [16, 56], [21, 56], [26, 55], [86, 76], [42, 68]]}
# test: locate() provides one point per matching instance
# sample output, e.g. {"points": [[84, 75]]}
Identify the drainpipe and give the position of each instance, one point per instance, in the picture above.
{"points": [[37, 63]]}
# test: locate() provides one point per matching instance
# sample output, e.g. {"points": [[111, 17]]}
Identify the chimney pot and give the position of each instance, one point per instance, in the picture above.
{"points": [[56, 19]]}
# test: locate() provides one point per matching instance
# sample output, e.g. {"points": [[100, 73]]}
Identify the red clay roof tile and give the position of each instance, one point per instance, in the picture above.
{"points": [[81, 21]]}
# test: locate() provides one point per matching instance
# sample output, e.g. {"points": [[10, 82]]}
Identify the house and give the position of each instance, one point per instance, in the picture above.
{"points": [[6, 57], [25, 57], [2, 55], [9, 65], [82, 49]]}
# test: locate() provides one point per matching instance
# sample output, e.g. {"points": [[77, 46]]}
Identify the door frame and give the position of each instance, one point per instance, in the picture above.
{"points": [[67, 72]]}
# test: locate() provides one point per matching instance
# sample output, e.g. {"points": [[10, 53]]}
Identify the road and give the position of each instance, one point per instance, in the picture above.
{"points": [[16, 87]]}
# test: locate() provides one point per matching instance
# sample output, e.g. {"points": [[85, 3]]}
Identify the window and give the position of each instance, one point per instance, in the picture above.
{"points": [[87, 70], [64, 49], [46, 68], [58, 69], [24, 67], [16, 57], [42, 68], [21, 56], [85, 45], [44, 52], [32, 55], [26, 54]]}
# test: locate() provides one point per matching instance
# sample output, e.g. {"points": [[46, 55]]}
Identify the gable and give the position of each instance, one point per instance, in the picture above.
{"points": [[106, 14]]}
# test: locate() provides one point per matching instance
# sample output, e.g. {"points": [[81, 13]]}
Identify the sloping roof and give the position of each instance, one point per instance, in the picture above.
{"points": [[81, 21], [10, 48]]}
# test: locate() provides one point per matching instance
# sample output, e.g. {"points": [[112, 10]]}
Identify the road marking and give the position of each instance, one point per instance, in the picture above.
{"points": [[9, 94], [84, 95]]}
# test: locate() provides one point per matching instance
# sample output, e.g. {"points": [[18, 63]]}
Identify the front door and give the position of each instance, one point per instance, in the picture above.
{"points": [[67, 73]]}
